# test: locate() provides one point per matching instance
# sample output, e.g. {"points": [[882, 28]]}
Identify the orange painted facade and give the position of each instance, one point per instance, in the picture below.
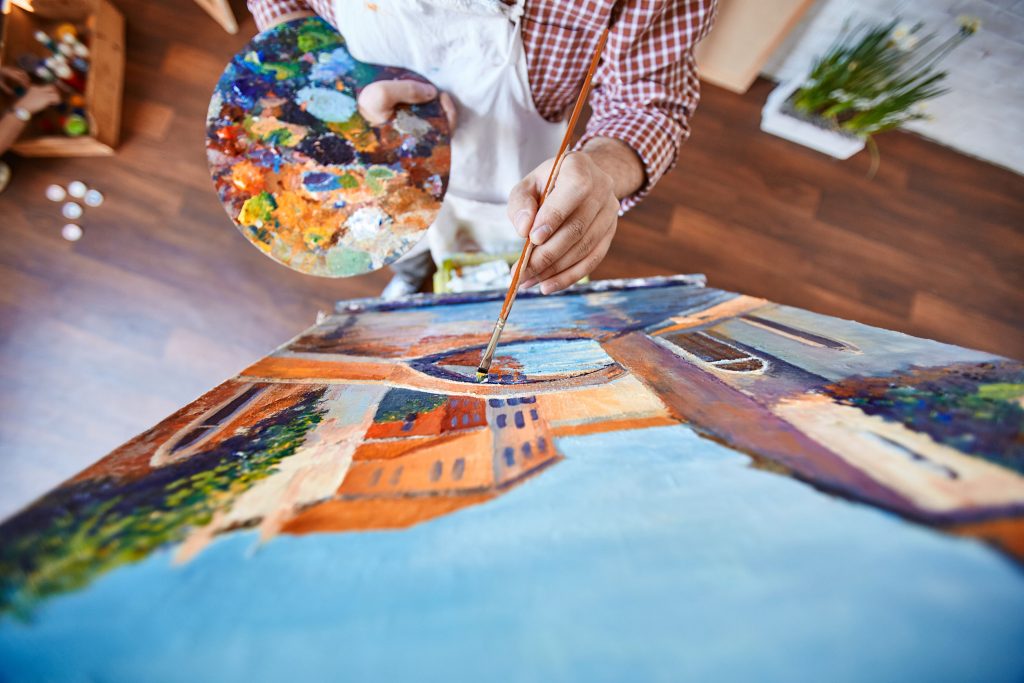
{"points": [[461, 453]]}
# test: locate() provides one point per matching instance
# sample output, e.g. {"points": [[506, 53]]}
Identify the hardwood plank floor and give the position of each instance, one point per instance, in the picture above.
{"points": [[162, 298]]}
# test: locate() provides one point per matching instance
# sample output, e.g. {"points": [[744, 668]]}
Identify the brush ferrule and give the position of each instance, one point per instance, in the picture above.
{"points": [[485, 362]]}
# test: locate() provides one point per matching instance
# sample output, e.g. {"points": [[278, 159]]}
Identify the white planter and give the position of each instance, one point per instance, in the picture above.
{"points": [[776, 122]]}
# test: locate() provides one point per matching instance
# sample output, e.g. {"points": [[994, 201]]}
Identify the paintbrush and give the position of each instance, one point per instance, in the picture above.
{"points": [[524, 257]]}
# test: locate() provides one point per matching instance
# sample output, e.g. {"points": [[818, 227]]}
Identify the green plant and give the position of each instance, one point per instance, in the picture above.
{"points": [[874, 78], [82, 530]]}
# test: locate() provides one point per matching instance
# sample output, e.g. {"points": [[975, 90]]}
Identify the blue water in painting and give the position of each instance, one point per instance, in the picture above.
{"points": [[555, 356], [644, 556]]}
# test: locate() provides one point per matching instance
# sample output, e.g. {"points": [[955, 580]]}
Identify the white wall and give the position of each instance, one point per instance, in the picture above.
{"points": [[983, 115]]}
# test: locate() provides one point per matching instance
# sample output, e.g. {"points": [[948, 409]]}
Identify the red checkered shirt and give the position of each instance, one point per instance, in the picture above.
{"points": [[645, 89]]}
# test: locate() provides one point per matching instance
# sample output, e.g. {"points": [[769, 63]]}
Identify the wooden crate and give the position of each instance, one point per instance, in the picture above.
{"points": [[745, 34], [104, 84]]}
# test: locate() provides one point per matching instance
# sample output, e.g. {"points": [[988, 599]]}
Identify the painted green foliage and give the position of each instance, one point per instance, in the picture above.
{"points": [[974, 408], [83, 530], [398, 404]]}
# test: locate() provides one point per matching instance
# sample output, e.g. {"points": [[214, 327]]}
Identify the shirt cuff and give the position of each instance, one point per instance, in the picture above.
{"points": [[656, 138]]}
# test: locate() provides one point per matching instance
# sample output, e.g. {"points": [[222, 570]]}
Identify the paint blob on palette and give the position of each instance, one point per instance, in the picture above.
{"points": [[299, 170]]}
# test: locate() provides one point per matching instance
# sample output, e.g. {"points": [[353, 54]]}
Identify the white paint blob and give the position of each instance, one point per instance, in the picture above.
{"points": [[366, 223], [408, 123], [326, 104]]}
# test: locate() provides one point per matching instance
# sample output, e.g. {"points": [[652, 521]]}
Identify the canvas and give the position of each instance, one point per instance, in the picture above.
{"points": [[302, 174], [662, 481]]}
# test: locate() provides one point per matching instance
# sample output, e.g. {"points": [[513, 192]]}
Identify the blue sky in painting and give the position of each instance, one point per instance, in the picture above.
{"points": [[647, 555], [604, 310]]}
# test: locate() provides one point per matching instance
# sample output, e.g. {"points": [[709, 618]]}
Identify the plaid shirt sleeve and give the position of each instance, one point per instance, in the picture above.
{"points": [[646, 88], [266, 12]]}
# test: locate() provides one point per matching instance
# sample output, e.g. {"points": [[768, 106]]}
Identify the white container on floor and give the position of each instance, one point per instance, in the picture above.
{"points": [[775, 121]]}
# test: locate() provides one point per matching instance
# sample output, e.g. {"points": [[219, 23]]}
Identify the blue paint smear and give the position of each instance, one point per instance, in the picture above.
{"points": [[556, 356], [320, 181], [332, 66], [648, 555]]}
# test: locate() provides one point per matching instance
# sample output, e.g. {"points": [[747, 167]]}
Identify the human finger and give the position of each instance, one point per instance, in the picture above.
{"points": [[522, 202], [450, 113], [19, 77], [602, 229], [569, 277], [576, 237], [572, 185], [377, 101], [51, 94]]}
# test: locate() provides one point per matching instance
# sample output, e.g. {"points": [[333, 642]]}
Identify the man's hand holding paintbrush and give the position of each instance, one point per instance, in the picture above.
{"points": [[573, 230], [562, 212]]}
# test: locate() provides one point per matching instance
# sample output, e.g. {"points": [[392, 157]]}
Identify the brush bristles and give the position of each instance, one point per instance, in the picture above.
{"points": [[481, 374]]}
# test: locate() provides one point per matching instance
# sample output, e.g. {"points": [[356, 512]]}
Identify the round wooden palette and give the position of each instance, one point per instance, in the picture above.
{"points": [[302, 174]]}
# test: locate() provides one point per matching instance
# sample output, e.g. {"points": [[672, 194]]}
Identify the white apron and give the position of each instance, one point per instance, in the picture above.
{"points": [[473, 50]]}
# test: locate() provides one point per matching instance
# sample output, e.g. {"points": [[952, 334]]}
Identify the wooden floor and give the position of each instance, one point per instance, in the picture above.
{"points": [[162, 298]]}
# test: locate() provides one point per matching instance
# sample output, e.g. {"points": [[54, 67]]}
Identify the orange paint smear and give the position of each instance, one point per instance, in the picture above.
{"points": [[248, 177], [613, 425], [378, 513], [387, 450], [304, 369], [1008, 534]]}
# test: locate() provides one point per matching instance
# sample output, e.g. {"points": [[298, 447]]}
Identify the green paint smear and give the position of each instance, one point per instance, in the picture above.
{"points": [[398, 404], [380, 172], [257, 208], [374, 175], [262, 235], [342, 262], [316, 34], [281, 137], [80, 531], [282, 70], [1001, 392]]}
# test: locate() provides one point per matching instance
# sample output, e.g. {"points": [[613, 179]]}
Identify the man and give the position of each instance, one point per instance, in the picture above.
{"points": [[509, 74]]}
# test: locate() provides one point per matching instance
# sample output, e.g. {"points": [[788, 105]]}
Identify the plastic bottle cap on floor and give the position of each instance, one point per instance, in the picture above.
{"points": [[77, 189], [55, 193], [71, 211], [93, 198], [71, 232]]}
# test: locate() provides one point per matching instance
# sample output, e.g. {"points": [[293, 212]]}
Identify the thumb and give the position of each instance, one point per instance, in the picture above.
{"points": [[377, 101]]}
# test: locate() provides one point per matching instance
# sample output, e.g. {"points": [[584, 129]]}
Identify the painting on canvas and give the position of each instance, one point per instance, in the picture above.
{"points": [[661, 480]]}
